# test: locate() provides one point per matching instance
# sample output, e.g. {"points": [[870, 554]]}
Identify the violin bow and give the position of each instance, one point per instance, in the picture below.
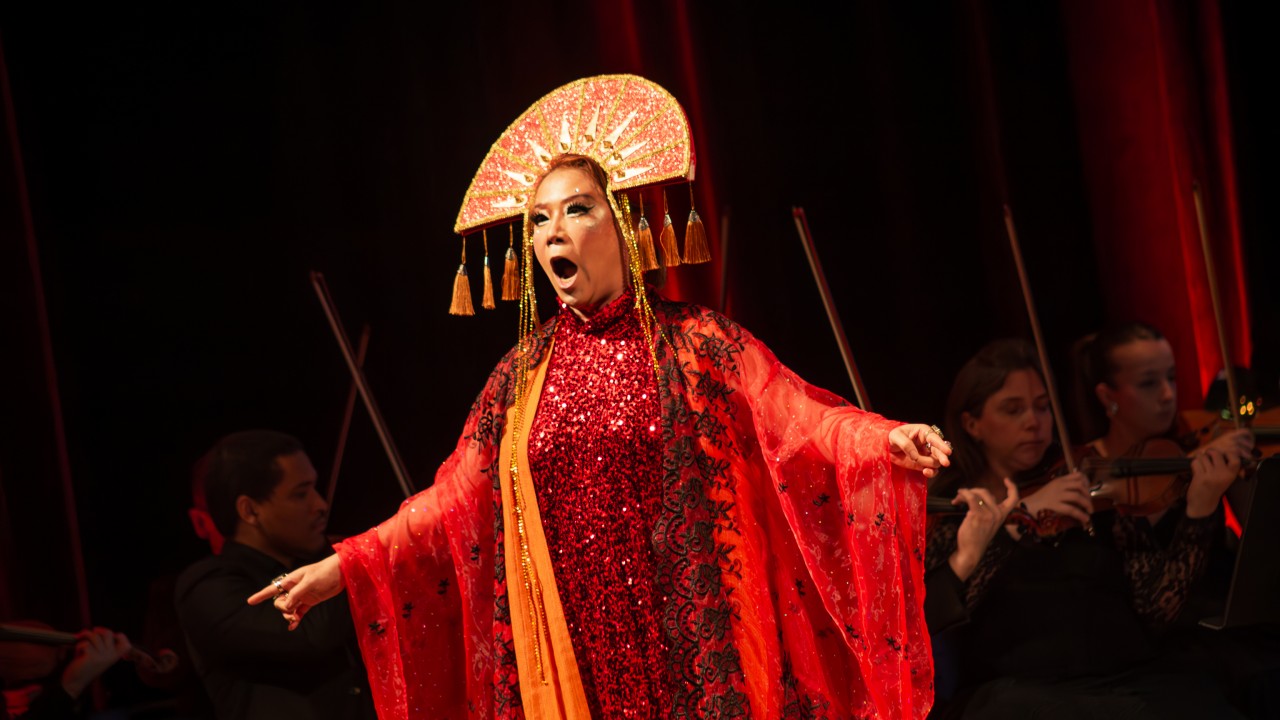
{"points": [[39, 636], [347, 413], [163, 661], [357, 377], [1233, 400], [802, 227], [1039, 336]]}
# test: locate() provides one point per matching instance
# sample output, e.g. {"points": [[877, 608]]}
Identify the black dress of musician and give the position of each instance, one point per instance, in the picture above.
{"points": [[1050, 627]]}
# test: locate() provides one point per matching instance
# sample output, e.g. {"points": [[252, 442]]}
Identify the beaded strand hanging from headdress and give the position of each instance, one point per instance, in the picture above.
{"points": [[638, 133]]}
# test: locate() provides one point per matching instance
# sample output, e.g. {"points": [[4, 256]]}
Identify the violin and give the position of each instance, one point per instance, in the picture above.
{"points": [[23, 661], [1145, 481], [161, 661], [1266, 431]]}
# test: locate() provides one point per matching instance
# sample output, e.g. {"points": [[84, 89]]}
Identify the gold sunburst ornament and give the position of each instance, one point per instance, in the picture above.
{"points": [[633, 127]]}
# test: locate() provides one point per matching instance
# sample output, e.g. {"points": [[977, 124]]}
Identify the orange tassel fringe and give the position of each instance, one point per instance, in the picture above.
{"points": [[695, 241], [670, 252], [461, 304], [486, 301], [644, 240], [510, 278]]}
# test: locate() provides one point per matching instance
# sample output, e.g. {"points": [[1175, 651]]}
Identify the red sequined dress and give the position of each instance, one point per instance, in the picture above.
{"points": [[754, 554], [594, 452]]}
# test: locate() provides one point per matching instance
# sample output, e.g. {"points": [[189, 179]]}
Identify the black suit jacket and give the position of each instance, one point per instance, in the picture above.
{"points": [[251, 665]]}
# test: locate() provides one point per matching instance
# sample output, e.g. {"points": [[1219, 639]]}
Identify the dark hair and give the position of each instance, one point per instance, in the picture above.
{"points": [[1099, 365], [1096, 364], [585, 163], [243, 463], [980, 378]]}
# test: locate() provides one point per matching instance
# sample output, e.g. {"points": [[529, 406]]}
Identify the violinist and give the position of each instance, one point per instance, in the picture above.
{"points": [[1128, 372], [260, 491], [1048, 626], [1130, 369], [41, 684]]}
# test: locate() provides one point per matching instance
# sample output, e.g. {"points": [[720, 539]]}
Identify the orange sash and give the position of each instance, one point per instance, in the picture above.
{"points": [[556, 693]]}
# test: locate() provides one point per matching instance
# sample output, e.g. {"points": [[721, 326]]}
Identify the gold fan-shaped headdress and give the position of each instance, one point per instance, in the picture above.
{"points": [[632, 127]]}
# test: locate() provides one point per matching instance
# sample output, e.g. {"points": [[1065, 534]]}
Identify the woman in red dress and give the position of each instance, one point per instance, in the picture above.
{"points": [[647, 514]]}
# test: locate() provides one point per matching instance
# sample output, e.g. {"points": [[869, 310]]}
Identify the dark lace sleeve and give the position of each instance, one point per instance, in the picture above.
{"points": [[952, 598], [944, 592], [1161, 577]]}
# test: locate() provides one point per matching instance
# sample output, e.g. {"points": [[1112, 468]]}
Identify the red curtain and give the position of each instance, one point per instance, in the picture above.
{"points": [[665, 31], [1150, 88], [44, 579]]}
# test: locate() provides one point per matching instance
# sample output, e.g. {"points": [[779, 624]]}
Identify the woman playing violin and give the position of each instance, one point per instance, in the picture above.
{"points": [[1130, 369], [1056, 626], [1130, 372]]}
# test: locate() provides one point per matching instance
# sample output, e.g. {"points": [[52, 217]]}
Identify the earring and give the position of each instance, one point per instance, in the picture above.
{"points": [[1113, 408]]}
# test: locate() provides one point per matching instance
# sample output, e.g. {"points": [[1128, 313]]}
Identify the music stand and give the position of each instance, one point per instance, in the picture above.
{"points": [[1254, 595]]}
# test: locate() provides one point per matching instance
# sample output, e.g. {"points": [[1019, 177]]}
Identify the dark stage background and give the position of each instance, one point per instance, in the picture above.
{"points": [[178, 168]]}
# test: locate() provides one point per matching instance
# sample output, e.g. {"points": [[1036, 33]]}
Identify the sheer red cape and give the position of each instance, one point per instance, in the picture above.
{"points": [[790, 547]]}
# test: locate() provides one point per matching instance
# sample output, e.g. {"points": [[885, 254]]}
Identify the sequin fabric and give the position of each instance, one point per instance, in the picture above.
{"points": [[594, 448]]}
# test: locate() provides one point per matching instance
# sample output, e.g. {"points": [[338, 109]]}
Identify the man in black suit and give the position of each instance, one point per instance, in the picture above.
{"points": [[261, 493]]}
